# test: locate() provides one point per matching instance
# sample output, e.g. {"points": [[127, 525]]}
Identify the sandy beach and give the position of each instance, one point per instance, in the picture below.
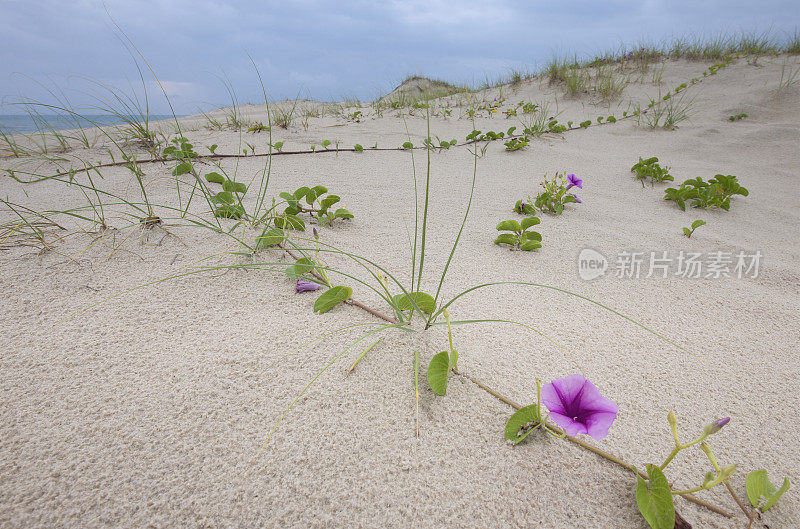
{"points": [[123, 406]]}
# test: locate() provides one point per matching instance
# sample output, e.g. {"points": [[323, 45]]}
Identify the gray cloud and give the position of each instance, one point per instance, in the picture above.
{"points": [[331, 49]]}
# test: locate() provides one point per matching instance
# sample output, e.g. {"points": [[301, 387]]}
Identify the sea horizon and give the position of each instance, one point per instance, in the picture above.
{"points": [[26, 124]]}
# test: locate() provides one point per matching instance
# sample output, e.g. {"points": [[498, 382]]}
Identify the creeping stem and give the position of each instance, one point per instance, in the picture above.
{"points": [[602, 453]]}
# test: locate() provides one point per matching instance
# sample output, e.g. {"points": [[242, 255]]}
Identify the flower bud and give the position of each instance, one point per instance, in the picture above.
{"points": [[716, 426], [727, 471], [673, 421], [316, 235]]}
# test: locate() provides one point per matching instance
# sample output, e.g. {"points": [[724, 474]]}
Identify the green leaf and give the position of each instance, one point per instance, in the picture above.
{"points": [[687, 232], [290, 222], [289, 198], [331, 298], [342, 213], [529, 221], [438, 370], [182, 168], [314, 193], [696, 224], [327, 202], [223, 197], [530, 246], [509, 225], [759, 486], [655, 499], [408, 145], [229, 211], [507, 238], [300, 193], [215, 177], [300, 267], [234, 187], [532, 236], [524, 416], [358, 148], [424, 301], [325, 143], [270, 237]]}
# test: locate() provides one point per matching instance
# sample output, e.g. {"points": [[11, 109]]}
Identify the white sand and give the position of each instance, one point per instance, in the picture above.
{"points": [[149, 409]]}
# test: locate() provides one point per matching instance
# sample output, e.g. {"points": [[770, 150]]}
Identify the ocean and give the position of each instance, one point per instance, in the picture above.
{"points": [[24, 124]]}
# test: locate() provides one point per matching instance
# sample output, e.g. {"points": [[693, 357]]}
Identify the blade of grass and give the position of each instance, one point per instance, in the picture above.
{"points": [[363, 354]]}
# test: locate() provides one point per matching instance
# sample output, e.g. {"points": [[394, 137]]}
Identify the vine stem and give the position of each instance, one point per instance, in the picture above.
{"points": [[602, 453], [214, 156], [748, 513]]}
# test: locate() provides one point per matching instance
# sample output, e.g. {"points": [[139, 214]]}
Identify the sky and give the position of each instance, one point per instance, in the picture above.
{"points": [[326, 50]]}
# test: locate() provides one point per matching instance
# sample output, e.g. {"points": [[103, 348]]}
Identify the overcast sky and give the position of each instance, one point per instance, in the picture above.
{"points": [[332, 49]]}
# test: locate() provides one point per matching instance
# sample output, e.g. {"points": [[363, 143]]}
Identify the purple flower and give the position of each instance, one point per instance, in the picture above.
{"points": [[578, 200], [305, 286], [574, 181], [576, 405]]}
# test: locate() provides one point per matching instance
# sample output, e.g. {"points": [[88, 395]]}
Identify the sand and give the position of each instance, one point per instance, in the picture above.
{"points": [[149, 409]]}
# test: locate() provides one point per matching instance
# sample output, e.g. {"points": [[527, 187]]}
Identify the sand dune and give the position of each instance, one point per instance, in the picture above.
{"points": [[149, 409]]}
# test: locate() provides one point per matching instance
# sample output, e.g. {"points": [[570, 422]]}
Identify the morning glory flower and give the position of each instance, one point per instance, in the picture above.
{"points": [[305, 286], [576, 405], [716, 426], [578, 200], [574, 181]]}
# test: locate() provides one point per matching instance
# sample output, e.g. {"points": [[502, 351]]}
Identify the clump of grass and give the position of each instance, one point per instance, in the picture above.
{"points": [[282, 116], [788, 78], [132, 110], [576, 81], [609, 84], [793, 44], [9, 146], [30, 228], [556, 70], [516, 77], [657, 74], [213, 123], [534, 118], [665, 112], [755, 45]]}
